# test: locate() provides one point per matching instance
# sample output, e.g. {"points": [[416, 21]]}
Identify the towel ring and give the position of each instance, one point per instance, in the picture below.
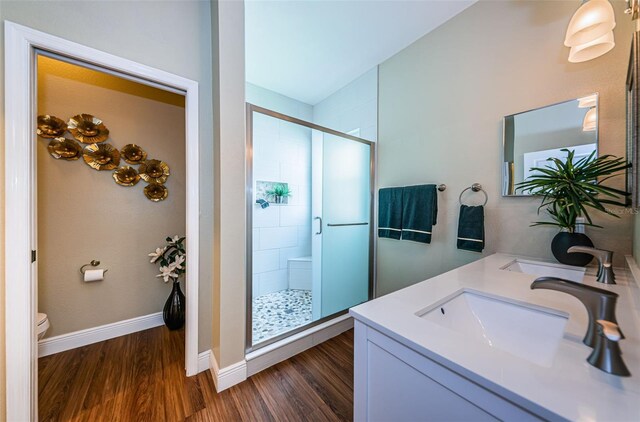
{"points": [[476, 187]]}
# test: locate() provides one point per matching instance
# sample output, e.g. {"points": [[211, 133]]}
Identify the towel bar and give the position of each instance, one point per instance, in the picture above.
{"points": [[346, 224], [441, 187], [476, 187]]}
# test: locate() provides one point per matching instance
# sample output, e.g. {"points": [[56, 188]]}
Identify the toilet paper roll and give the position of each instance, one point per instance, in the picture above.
{"points": [[93, 275]]}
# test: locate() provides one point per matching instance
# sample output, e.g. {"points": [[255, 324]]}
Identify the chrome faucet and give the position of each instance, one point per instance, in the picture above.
{"points": [[605, 262], [603, 331]]}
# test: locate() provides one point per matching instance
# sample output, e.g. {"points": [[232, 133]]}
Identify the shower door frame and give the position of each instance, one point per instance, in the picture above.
{"points": [[250, 109]]}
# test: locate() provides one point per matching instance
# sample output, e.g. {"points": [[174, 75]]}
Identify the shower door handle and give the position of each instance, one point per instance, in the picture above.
{"points": [[319, 218]]}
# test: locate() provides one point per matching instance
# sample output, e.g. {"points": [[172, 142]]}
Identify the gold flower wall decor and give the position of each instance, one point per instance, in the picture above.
{"points": [[101, 156], [88, 129], [50, 126], [64, 149], [133, 154], [126, 176], [156, 192], [154, 171]]}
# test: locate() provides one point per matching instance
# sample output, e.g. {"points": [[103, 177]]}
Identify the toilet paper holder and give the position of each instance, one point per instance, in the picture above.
{"points": [[93, 263]]}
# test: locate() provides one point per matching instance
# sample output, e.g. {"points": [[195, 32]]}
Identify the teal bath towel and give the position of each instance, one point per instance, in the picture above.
{"points": [[390, 213], [419, 212], [471, 228]]}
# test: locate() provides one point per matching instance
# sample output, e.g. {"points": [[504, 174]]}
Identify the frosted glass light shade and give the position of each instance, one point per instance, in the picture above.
{"points": [[590, 120], [593, 49], [588, 101], [590, 22]]}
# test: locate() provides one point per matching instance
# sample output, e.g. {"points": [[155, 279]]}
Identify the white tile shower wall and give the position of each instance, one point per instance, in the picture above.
{"points": [[282, 153], [353, 107]]}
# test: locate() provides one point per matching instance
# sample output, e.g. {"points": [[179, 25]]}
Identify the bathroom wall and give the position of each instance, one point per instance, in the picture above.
{"points": [[441, 103], [84, 215], [352, 107], [272, 100], [281, 153], [174, 36]]}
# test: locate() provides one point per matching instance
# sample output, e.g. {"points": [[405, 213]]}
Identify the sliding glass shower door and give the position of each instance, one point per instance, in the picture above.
{"points": [[342, 205], [310, 232]]}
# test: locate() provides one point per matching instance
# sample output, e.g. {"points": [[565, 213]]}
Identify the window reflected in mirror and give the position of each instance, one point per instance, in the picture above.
{"points": [[533, 137]]}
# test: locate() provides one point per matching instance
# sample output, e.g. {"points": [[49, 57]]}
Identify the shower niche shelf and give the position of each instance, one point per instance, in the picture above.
{"points": [[265, 189]]}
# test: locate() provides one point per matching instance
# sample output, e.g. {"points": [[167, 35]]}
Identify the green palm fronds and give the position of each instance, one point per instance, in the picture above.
{"points": [[570, 190]]}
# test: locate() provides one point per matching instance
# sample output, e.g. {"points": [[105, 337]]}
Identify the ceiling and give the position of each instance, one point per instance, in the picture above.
{"points": [[308, 49]]}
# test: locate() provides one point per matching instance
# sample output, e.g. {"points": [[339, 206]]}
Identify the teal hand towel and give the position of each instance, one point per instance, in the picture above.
{"points": [[390, 213], [419, 212], [471, 228]]}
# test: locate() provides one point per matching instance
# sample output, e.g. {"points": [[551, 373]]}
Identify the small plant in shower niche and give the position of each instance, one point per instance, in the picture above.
{"points": [[172, 260], [279, 192]]}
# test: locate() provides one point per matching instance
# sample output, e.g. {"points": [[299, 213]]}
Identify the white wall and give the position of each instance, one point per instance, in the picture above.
{"points": [[229, 208], [442, 100], [271, 100], [281, 153], [355, 106]]}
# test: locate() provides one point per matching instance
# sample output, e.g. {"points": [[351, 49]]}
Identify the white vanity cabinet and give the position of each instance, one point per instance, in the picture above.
{"points": [[477, 343], [395, 383]]}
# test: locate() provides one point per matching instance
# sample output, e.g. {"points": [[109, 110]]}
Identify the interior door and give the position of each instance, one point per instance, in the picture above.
{"points": [[346, 223]]}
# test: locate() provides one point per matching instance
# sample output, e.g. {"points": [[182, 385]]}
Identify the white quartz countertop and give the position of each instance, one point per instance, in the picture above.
{"points": [[568, 387]]}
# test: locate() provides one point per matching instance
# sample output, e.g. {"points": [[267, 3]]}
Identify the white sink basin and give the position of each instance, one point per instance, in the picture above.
{"points": [[546, 269], [524, 330]]}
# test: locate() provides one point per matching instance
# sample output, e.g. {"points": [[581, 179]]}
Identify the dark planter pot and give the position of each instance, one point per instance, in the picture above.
{"points": [[173, 313], [563, 241]]}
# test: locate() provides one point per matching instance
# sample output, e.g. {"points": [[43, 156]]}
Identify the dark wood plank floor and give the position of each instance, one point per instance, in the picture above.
{"points": [[140, 377]]}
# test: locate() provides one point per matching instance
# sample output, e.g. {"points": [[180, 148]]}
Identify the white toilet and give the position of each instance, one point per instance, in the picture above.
{"points": [[42, 325]]}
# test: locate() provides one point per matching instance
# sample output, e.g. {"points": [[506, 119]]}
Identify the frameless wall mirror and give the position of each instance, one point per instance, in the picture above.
{"points": [[533, 137]]}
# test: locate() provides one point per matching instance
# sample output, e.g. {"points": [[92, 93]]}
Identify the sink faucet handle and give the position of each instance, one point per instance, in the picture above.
{"points": [[606, 354], [610, 330]]}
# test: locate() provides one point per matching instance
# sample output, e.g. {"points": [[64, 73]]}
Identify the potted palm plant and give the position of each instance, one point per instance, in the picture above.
{"points": [[279, 192], [571, 190]]}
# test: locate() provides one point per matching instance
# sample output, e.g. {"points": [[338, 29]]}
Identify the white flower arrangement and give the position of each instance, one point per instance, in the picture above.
{"points": [[172, 259]]}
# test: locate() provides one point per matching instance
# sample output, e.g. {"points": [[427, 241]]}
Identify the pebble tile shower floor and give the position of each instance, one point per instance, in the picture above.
{"points": [[278, 312]]}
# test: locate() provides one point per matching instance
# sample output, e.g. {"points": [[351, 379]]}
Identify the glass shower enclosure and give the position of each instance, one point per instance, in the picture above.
{"points": [[310, 224]]}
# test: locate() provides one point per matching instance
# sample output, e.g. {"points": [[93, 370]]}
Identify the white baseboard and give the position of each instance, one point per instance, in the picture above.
{"points": [[57, 344], [284, 349], [203, 361], [229, 375]]}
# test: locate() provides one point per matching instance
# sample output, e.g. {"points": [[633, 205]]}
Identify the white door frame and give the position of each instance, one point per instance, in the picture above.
{"points": [[20, 285]]}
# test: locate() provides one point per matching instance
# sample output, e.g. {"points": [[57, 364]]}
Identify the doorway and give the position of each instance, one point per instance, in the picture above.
{"points": [[22, 46], [310, 215]]}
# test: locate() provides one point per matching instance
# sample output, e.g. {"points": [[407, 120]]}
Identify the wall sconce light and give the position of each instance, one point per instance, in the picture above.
{"points": [[590, 31], [590, 120]]}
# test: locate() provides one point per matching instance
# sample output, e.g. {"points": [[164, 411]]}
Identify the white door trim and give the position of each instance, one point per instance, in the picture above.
{"points": [[20, 287]]}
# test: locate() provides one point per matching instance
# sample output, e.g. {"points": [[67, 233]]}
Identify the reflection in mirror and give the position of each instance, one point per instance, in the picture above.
{"points": [[532, 137]]}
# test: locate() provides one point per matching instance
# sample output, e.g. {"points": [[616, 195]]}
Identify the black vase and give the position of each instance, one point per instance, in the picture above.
{"points": [[563, 241], [173, 313]]}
